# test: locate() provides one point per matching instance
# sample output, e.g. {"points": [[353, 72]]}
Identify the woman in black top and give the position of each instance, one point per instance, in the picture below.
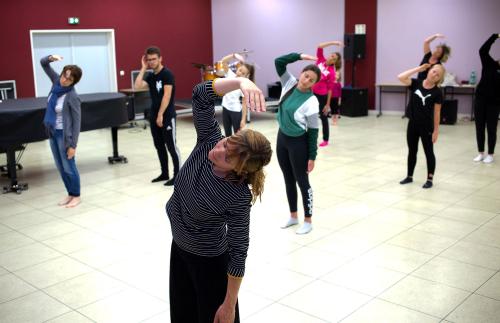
{"points": [[209, 210], [438, 56], [487, 103], [425, 109]]}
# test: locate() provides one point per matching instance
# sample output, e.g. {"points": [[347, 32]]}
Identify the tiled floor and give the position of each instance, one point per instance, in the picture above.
{"points": [[379, 251]]}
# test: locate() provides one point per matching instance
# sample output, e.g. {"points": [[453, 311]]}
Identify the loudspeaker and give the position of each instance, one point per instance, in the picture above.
{"points": [[355, 45], [274, 90], [354, 102], [449, 112]]}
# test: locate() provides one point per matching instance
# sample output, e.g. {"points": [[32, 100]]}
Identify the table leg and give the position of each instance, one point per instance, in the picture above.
{"points": [[116, 157]]}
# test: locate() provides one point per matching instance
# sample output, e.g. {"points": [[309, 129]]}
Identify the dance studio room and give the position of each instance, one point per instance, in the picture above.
{"points": [[249, 161]]}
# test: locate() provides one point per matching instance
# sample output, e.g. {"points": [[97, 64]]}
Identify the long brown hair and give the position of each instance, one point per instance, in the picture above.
{"points": [[338, 62], [251, 71], [252, 151]]}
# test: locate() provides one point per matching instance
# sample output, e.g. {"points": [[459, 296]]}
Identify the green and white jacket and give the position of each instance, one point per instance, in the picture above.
{"points": [[298, 113]]}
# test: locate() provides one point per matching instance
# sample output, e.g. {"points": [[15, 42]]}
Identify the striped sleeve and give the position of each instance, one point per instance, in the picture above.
{"points": [[238, 230], [204, 96]]}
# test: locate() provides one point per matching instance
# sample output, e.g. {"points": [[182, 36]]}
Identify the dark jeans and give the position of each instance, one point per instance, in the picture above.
{"points": [[198, 286], [66, 167], [293, 157], [486, 119]]}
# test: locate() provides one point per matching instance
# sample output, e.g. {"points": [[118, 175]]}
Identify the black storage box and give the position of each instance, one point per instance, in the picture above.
{"points": [[449, 112], [354, 102]]}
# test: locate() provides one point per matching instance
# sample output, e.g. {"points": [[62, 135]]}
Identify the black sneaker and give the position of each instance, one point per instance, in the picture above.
{"points": [[427, 184], [162, 177], [170, 182], [407, 180]]}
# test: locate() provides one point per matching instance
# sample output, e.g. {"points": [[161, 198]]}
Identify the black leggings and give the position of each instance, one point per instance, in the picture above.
{"points": [[293, 157], [486, 118], [231, 119], [198, 286], [324, 118], [334, 106], [413, 133], [165, 135]]}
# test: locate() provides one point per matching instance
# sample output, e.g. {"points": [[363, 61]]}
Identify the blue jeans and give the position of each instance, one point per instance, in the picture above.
{"points": [[66, 167]]}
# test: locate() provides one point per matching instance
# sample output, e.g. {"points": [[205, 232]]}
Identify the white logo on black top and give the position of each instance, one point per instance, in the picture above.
{"points": [[420, 95], [158, 86]]}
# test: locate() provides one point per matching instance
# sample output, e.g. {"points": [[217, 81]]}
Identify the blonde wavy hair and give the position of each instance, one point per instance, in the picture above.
{"points": [[252, 151]]}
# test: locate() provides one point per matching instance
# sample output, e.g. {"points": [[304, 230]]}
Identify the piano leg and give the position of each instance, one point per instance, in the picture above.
{"points": [[11, 169], [116, 158]]}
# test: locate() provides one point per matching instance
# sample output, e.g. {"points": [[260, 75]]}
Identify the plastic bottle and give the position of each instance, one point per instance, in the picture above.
{"points": [[472, 78]]}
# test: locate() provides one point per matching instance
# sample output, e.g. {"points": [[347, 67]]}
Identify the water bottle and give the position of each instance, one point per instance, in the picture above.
{"points": [[472, 78]]}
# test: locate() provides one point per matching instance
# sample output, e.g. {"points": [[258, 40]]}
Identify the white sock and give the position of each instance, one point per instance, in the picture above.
{"points": [[305, 228], [291, 221]]}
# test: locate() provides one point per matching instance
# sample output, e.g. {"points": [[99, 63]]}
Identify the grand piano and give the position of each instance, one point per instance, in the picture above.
{"points": [[21, 122]]}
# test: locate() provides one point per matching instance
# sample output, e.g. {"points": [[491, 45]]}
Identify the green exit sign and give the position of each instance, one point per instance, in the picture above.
{"points": [[73, 20]]}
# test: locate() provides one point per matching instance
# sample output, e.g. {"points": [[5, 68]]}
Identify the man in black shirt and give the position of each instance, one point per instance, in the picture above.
{"points": [[161, 85]]}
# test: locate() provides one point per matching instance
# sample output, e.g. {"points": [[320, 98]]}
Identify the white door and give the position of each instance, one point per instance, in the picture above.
{"points": [[93, 51]]}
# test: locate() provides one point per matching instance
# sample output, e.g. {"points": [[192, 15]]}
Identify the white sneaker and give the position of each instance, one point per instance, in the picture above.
{"points": [[305, 228], [290, 222], [488, 159], [479, 157]]}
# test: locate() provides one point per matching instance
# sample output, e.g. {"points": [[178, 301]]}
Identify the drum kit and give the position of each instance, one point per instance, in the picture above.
{"points": [[219, 68]]}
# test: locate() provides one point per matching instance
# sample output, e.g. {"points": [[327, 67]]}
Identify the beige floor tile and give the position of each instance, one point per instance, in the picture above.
{"points": [[491, 288], [310, 262], [475, 254], [160, 318], [25, 219], [280, 313], [422, 241], [35, 307], [472, 216], [370, 280], [396, 258], [250, 303], [49, 229], [425, 296], [422, 206], [73, 317], [382, 311], [273, 283], [52, 272], [77, 240], [84, 289], [343, 244], [454, 273], [485, 235], [481, 203], [26, 256], [11, 207], [476, 308], [400, 217], [12, 240], [12, 287], [446, 227], [126, 306], [325, 301]]}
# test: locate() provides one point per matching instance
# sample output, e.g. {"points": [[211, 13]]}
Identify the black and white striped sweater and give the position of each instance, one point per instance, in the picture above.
{"points": [[209, 215]]}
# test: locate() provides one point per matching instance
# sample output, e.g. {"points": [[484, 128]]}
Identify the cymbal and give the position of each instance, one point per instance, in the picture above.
{"points": [[199, 65]]}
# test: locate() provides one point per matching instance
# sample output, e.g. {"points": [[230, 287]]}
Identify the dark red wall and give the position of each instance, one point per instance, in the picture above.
{"points": [[182, 29], [363, 12]]}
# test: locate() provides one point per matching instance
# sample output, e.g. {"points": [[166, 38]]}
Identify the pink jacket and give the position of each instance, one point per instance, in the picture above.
{"points": [[327, 80]]}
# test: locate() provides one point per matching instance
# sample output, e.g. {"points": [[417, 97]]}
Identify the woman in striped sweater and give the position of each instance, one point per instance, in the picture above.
{"points": [[209, 210]]}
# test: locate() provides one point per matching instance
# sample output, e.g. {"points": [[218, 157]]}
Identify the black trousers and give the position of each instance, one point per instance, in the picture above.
{"points": [[293, 157], [413, 133], [165, 135], [486, 119], [231, 121], [324, 118], [197, 286], [334, 105]]}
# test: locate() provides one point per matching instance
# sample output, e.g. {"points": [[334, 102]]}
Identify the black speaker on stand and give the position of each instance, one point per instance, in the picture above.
{"points": [[354, 100]]}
